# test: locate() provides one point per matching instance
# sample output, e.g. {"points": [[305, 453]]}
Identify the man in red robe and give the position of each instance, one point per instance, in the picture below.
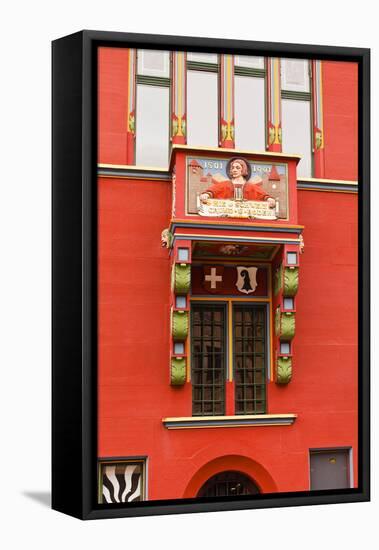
{"points": [[237, 188]]}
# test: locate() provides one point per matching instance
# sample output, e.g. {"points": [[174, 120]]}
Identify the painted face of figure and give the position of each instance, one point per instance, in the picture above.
{"points": [[236, 170]]}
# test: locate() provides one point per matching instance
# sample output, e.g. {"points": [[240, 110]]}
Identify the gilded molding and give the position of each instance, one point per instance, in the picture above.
{"points": [[181, 278], [291, 281], [179, 325], [283, 370], [177, 371]]}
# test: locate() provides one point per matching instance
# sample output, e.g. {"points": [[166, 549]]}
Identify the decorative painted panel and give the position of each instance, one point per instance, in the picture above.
{"points": [[274, 129], [179, 116], [227, 101]]}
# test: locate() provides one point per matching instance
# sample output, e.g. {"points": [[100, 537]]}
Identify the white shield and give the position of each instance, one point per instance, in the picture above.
{"points": [[246, 279]]}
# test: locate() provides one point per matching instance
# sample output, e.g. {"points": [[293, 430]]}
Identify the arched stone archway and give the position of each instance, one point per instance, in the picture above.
{"points": [[229, 483], [236, 463]]}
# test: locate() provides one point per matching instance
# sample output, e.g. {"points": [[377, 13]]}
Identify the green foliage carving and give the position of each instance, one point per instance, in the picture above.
{"points": [[277, 321], [179, 325], [291, 281], [287, 326], [283, 370], [178, 371], [278, 280], [181, 278]]}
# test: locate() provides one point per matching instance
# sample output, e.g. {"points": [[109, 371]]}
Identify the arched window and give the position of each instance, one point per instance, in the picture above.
{"points": [[228, 484]]}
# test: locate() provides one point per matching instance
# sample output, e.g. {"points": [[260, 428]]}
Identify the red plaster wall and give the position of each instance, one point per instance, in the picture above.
{"points": [[340, 100], [112, 112], [134, 390]]}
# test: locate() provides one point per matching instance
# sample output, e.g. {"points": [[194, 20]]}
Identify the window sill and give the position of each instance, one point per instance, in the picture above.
{"points": [[238, 421]]}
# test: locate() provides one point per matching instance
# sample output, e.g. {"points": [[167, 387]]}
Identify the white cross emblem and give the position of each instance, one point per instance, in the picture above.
{"points": [[213, 278]]}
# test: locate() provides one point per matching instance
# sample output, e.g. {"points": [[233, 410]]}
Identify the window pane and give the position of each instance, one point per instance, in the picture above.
{"points": [[249, 361], [202, 108], [296, 129], [295, 75], [183, 254], [152, 131], [249, 113], [208, 361], [284, 347], [291, 258], [249, 61], [153, 63], [288, 303], [202, 57]]}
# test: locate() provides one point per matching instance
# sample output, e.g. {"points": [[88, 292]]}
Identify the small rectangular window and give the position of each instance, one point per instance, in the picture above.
{"points": [[291, 258], [285, 348], [152, 131], [252, 62], [180, 302], [202, 108], [288, 303], [296, 132], [153, 63], [202, 57], [178, 348], [122, 481], [249, 113], [295, 75], [183, 254]]}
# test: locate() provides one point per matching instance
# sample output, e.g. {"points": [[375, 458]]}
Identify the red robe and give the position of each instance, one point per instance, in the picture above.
{"points": [[225, 190]]}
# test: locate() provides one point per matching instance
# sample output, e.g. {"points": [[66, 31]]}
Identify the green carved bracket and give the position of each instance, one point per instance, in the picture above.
{"points": [[284, 324], [283, 370], [181, 278], [177, 371], [291, 281], [278, 280], [179, 325]]}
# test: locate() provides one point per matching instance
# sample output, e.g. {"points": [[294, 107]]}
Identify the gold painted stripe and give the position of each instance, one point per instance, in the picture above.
{"points": [[321, 105]]}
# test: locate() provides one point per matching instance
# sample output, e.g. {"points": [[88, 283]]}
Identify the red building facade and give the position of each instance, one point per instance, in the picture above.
{"points": [[227, 321]]}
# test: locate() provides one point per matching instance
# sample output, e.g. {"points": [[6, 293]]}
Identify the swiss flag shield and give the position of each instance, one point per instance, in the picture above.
{"points": [[213, 278]]}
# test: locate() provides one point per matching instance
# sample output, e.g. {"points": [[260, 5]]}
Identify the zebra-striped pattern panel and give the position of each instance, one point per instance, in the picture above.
{"points": [[121, 482]]}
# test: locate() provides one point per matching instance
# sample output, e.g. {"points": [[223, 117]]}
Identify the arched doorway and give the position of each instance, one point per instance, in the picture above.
{"points": [[228, 484]]}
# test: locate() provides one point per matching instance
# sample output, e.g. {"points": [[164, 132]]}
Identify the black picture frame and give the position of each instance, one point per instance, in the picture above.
{"points": [[74, 273]]}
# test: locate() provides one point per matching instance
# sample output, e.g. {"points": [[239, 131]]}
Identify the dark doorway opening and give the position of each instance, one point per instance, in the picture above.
{"points": [[229, 484]]}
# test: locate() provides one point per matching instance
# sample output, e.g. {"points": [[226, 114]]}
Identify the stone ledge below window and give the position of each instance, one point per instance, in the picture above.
{"points": [[238, 421]]}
